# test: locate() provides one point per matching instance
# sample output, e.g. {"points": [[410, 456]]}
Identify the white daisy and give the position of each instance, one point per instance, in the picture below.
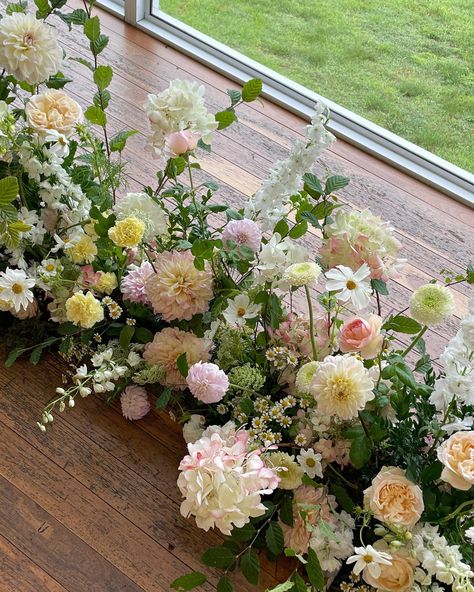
{"points": [[239, 310], [15, 288], [370, 559], [350, 285], [50, 267], [311, 463]]}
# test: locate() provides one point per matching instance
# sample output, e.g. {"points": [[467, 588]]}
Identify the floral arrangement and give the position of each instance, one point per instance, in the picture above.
{"points": [[318, 426]]}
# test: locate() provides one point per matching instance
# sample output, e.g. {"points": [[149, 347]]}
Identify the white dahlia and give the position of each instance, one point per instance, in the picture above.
{"points": [[29, 48], [142, 206]]}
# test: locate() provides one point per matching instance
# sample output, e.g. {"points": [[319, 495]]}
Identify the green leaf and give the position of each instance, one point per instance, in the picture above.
{"points": [[175, 167], [103, 76], [251, 90], [189, 581], [250, 566], [361, 451], [13, 356], [335, 183], [204, 248], [342, 497], [67, 329], [379, 286], [281, 228], [312, 185], [314, 571], [274, 538], [58, 81], [126, 335], [470, 274], [299, 229], [244, 533], [96, 116], [143, 335], [203, 145], [8, 190], [163, 400], [19, 226], [35, 356], [299, 583], [182, 364], [402, 324], [43, 8], [225, 118], [284, 587], [286, 510], [99, 44], [218, 557], [225, 585], [246, 406], [92, 28], [118, 142], [76, 17], [235, 96], [84, 62]]}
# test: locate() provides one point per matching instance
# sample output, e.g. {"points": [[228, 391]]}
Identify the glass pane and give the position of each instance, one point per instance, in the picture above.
{"points": [[407, 66]]}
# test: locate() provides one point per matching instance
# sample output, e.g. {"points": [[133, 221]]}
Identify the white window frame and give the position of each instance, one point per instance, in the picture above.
{"points": [[349, 126]]}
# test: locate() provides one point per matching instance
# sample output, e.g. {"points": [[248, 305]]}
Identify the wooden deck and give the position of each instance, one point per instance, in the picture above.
{"points": [[93, 505]]}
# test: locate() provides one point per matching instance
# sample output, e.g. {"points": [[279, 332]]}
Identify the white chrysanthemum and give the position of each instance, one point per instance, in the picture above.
{"points": [[305, 377], [29, 49], [431, 304], [15, 288], [142, 206], [342, 386], [302, 274]]}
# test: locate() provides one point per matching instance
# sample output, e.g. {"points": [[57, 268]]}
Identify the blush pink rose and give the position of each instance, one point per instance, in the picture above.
{"points": [[360, 335], [181, 142], [89, 277], [457, 455]]}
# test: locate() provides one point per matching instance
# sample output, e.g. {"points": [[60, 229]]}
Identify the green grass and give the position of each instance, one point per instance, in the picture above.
{"points": [[407, 65]]}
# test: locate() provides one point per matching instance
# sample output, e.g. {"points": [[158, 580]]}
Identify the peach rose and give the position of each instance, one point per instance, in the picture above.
{"points": [[397, 577], [180, 142], [457, 455], [53, 110], [394, 499], [360, 335]]}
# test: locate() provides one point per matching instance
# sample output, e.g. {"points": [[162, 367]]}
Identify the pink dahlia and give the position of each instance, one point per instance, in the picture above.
{"points": [[207, 382], [168, 345], [177, 290], [134, 402], [133, 284], [243, 232]]}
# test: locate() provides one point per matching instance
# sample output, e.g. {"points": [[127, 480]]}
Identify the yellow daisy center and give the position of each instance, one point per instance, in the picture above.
{"points": [[241, 311], [50, 267], [368, 558], [351, 285], [17, 288], [310, 462]]}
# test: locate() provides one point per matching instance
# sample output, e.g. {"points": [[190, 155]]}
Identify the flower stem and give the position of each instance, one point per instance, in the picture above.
{"points": [[311, 323], [415, 341]]}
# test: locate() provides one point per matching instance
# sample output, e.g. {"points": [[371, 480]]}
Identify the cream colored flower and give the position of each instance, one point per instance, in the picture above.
{"points": [[304, 378], [457, 455], [84, 310], [398, 576], [107, 282], [288, 469], [127, 233], [29, 49], [394, 499], [168, 345], [341, 386], [431, 304], [302, 274], [177, 290], [53, 110], [82, 251]]}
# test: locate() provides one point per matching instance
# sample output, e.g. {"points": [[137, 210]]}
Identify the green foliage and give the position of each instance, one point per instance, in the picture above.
{"points": [[402, 324], [96, 115], [225, 118], [274, 538], [189, 581], [103, 76], [314, 571], [252, 90], [250, 566], [218, 557], [119, 141], [225, 585]]}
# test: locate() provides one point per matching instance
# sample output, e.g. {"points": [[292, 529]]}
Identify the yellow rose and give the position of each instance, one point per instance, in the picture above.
{"points": [[53, 110], [84, 251], [127, 232], [457, 456], [84, 310], [394, 499], [397, 577]]}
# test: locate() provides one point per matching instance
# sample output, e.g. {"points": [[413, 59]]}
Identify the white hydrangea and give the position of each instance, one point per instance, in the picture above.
{"points": [[333, 547], [270, 202], [179, 107], [193, 429], [143, 207]]}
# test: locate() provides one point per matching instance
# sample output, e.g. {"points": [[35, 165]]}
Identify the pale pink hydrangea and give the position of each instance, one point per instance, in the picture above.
{"points": [[243, 232], [133, 286], [222, 481], [294, 332], [207, 382], [134, 402], [334, 451]]}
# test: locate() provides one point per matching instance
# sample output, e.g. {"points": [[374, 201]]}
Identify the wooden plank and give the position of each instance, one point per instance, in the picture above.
{"points": [[67, 563]]}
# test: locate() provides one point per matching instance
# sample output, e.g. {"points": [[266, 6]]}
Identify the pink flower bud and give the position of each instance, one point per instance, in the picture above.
{"points": [[361, 335], [181, 142]]}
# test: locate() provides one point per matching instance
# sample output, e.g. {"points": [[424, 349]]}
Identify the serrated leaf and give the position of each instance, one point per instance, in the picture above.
{"points": [[284, 587], [218, 557], [361, 451], [203, 145], [335, 183], [188, 581], [244, 533], [8, 190], [251, 90], [103, 76], [314, 571], [380, 286], [84, 62], [19, 226], [92, 28], [312, 185], [13, 356], [225, 585], [235, 96], [299, 583], [281, 228], [182, 364], [58, 81], [163, 400], [402, 324], [43, 8], [274, 538], [250, 566], [99, 44], [286, 511], [96, 116], [35, 355], [118, 142], [342, 497], [126, 335], [299, 229], [225, 118]]}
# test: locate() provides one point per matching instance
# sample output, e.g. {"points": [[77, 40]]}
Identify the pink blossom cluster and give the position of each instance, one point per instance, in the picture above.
{"points": [[294, 332], [222, 481]]}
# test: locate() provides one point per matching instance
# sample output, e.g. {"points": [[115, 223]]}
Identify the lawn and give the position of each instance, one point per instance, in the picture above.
{"points": [[407, 65]]}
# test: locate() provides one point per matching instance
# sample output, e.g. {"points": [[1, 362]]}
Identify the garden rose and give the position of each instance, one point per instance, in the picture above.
{"points": [[53, 110], [457, 455], [181, 142], [360, 335], [394, 499], [396, 577]]}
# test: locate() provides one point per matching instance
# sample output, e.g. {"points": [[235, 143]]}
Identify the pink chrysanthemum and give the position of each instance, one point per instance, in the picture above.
{"points": [[243, 232], [178, 290], [168, 345], [134, 283], [207, 382], [134, 402]]}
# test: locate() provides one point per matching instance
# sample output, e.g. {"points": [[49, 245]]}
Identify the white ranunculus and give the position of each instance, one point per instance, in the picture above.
{"points": [[29, 48]]}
